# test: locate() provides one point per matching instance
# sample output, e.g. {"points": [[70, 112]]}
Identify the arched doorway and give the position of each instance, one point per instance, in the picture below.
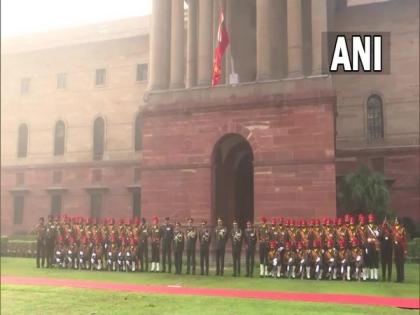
{"points": [[232, 180]]}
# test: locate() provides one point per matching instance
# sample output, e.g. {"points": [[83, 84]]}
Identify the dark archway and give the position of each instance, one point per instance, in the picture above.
{"points": [[232, 180]]}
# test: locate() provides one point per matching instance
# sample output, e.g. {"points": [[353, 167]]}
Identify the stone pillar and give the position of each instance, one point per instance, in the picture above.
{"points": [[319, 25], [294, 38], [205, 45], [192, 44], [264, 51], [177, 45], [159, 45]]}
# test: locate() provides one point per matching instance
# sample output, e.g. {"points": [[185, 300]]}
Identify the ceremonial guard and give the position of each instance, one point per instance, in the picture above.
{"points": [[144, 233], [204, 238], [155, 238], [220, 244], [372, 247], [361, 235], [250, 244], [191, 235], [178, 247], [263, 238], [50, 235], [40, 232], [385, 238], [167, 238], [400, 248], [237, 237]]}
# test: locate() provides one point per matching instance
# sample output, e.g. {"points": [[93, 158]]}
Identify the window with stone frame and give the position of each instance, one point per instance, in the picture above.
{"points": [[18, 207], [56, 204], [142, 70], [98, 138], [22, 149], [61, 81], [375, 121], [24, 86], [138, 133], [59, 137], [95, 205], [100, 77], [137, 203]]}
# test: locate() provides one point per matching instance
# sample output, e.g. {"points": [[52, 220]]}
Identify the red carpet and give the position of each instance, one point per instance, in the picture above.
{"points": [[269, 295]]}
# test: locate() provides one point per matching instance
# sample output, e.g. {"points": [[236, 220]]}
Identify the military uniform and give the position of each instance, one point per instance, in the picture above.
{"points": [[191, 236], [237, 237], [50, 236], [400, 245], [167, 239], [143, 248], [204, 237], [220, 244], [385, 238], [156, 236], [372, 255], [178, 243], [40, 231], [250, 244], [263, 236]]}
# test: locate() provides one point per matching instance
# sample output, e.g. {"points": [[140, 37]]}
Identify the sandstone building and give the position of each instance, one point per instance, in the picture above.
{"points": [[119, 119]]}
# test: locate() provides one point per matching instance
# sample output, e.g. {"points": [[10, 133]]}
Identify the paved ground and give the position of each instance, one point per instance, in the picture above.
{"points": [[412, 303]]}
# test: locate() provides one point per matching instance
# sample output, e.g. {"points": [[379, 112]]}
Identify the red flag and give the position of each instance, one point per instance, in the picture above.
{"points": [[222, 43]]}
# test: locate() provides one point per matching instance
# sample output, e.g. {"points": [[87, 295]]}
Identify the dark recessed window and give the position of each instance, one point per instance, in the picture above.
{"points": [[61, 81], [56, 203], [137, 203], [100, 77], [18, 205], [22, 149], [24, 85], [138, 133], [98, 138], [375, 124], [95, 205], [59, 137], [142, 72]]}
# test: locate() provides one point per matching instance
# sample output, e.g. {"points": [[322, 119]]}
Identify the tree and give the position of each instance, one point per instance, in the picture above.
{"points": [[364, 192]]}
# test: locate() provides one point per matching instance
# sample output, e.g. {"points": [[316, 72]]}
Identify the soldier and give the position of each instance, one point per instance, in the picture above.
{"points": [[385, 238], [221, 237], [40, 231], [191, 235], [204, 238], [237, 237], [372, 255], [143, 248], [250, 243], [362, 240], [263, 235], [167, 238], [50, 236], [155, 237], [400, 248], [178, 248]]}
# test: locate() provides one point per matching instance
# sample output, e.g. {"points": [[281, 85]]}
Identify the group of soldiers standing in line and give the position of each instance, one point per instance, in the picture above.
{"points": [[339, 249]]}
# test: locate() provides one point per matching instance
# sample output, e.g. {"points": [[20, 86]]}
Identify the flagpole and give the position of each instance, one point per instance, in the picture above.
{"points": [[228, 54]]}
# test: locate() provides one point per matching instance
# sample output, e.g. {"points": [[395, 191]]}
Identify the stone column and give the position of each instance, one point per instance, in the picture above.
{"points": [[294, 38], [264, 52], [177, 45], [192, 44], [159, 46], [205, 51], [319, 25]]}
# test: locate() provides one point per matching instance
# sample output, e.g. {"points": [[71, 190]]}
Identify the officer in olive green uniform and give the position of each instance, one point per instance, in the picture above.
{"points": [[40, 231], [237, 237], [167, 239], [204, 238], [220, 244], [250, 245], [178, 244]]}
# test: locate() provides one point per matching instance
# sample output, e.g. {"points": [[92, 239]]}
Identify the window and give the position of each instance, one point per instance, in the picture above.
{"points": [[61, 81], [20, 179], [98, 138], [136, 203], [375, 126], [306, 36], [100, 78], [138, 130], [59, 136], [95, 205], [22, 141], [24, 86], [18, 204], [55, 204], [142, 72]]}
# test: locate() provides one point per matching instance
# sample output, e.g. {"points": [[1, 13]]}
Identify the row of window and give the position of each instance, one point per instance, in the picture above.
{"points": [[57, 204], [60, 134], [100, 78]]}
